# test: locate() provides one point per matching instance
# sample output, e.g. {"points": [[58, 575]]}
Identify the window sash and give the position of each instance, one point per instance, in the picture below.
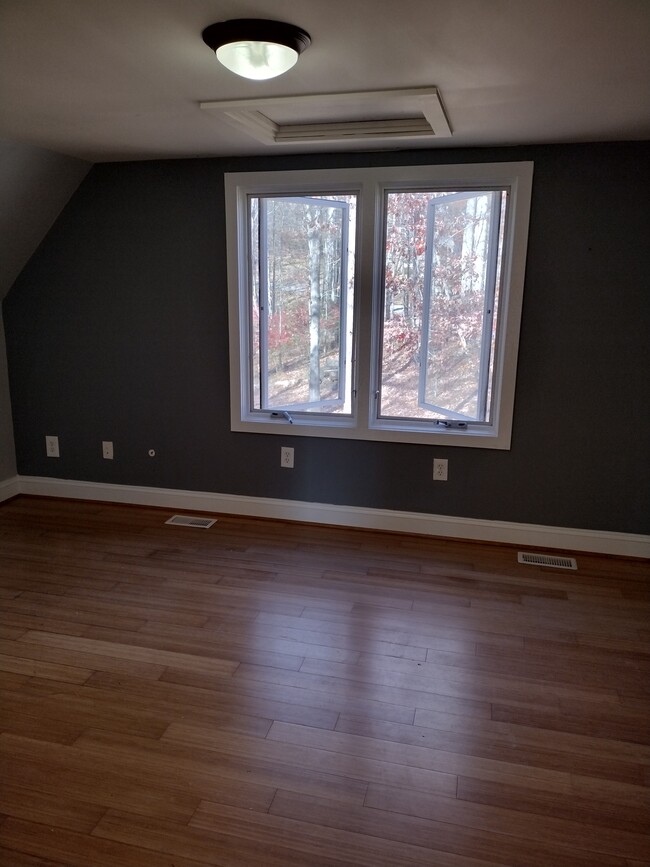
{"points": [[309, 406], [490, 278]]}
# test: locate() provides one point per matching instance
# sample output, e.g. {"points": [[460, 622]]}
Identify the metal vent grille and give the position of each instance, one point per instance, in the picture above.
{"points": [[547, 560], [191, 521]]}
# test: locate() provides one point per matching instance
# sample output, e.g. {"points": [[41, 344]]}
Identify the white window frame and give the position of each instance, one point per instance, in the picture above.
{"points": [[371, 185]]}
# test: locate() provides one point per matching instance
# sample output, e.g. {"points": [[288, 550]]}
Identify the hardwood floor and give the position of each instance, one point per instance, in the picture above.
{"points": [[262, 693]]}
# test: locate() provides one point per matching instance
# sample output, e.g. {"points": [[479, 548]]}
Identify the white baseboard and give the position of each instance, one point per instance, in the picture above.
{"points": [[535, 535], [9, 488]]}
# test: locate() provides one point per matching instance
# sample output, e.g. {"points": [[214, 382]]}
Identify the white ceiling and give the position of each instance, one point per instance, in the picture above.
{"points": [[122, 79]]}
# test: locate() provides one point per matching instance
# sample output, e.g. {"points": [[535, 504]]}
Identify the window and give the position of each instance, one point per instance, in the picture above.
{"points": [[379, 304], [300, 299]]}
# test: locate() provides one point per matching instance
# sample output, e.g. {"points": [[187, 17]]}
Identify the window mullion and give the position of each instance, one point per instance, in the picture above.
{"points": [[369, 261]]}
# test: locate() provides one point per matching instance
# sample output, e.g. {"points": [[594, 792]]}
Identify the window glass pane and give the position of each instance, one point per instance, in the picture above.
{"points": [[440, 277], [302, 262]]}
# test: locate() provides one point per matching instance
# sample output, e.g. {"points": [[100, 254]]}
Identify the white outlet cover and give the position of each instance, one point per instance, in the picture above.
{"points": [[440, 469]]}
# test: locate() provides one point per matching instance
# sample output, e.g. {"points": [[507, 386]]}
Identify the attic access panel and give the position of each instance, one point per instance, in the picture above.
{"points": [[378, 115]]}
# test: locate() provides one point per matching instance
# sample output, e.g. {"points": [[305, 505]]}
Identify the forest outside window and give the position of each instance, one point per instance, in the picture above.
{"points": [[379, 304]]}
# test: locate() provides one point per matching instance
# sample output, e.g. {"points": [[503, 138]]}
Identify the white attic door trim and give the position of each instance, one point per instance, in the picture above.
{"points": [[380, 115]]}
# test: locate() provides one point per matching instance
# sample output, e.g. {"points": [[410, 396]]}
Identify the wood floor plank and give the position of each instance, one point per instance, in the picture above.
{"points": [[625, 794], [42, 624], [489, 687], [540, 650], [49, 577], [146, 613], [210, 770], [516, 823], [634, 818], [311, 589], [130, 652], [439, 836], [80, 711], [528, 735], [454, 625], [205, 647], [441, 637], [269, 693], [54, 809], [185, 592], [83, 850], [218, 847], [352, 847], [12, 858], [26, 648], [441, 761], [12, 721], [541, 755], [571, 668], [38, 668], [14, 681], [209, 701], [615, 724], [115, 789], [9, 633], [214, 607], [369, 687], [300, 697], [157, 782], [320, 758], [60, 608], [355, 643], [245, 640]]}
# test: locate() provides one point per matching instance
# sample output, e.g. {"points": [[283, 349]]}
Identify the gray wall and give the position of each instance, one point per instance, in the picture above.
{"points": [[35, 184], [117, 329]]}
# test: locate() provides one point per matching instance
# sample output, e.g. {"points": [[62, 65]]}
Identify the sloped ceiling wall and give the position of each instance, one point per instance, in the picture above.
{"points": [[35, 185]]}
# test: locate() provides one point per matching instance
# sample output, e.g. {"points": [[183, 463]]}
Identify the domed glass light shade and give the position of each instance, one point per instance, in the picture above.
{"points": [[256, 48]]}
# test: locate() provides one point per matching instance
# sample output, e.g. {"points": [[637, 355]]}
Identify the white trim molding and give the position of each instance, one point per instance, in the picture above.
{"points": [[448, 526], [409, 114], [9, 488]]}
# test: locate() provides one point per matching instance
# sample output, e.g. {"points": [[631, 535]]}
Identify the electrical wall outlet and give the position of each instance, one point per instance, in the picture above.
{"points": [[107, 450], [440, 469], [52, 447], [286, 457]]}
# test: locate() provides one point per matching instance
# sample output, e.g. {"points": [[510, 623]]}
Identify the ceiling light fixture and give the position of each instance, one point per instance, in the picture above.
{"points": [[256, 48]]}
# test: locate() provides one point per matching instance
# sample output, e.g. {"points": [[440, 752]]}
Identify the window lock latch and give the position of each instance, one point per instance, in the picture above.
{"points": [[282, 414], [452, 424]]}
